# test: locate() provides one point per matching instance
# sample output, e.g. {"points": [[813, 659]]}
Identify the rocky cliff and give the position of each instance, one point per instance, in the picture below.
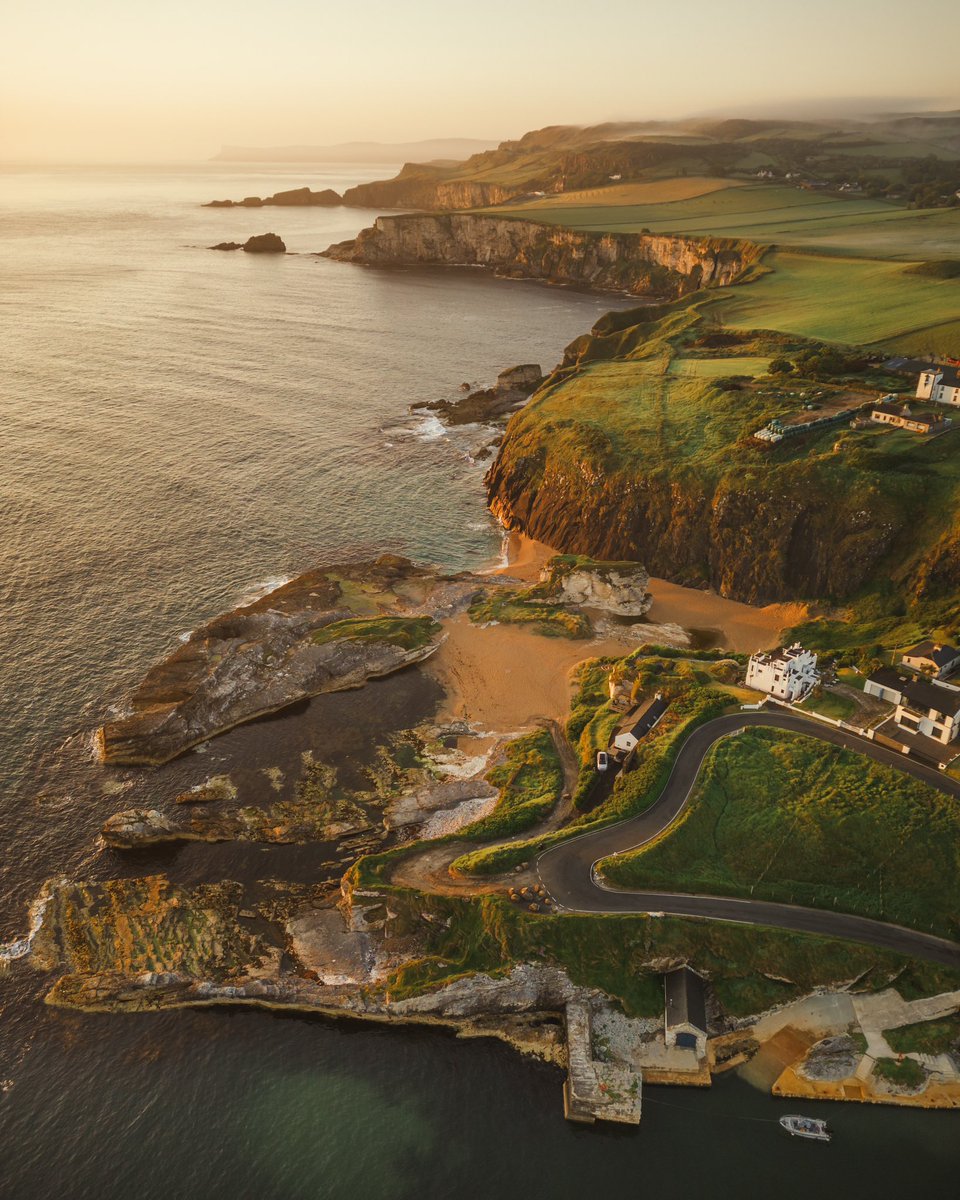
{"points": [[617, 457], [639, 264]]}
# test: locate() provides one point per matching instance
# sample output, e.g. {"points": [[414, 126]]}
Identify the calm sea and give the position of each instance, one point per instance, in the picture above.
{"points": [[179, 428]]}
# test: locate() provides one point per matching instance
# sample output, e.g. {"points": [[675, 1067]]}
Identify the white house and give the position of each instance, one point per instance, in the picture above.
{"points": [[932, 658], [941, 384], [788, 673], [639, 723], [932, 709]]}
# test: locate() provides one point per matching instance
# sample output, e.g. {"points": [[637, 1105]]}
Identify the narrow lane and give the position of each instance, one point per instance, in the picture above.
{"points": [[567, 869]]}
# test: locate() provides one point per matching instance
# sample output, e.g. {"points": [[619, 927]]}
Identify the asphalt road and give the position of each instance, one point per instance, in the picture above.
{"points": [[567, 869]]}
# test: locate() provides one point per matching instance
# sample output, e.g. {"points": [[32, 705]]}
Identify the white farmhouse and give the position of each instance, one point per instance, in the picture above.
{"points": [[788, 673], [924, 706], [941, 384]]}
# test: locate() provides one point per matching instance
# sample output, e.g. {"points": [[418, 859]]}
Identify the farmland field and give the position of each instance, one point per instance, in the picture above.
{"points": [[772, 214], [861, 301]]}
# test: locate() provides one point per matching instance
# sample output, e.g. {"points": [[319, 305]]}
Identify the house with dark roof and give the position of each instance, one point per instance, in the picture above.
{"points": [[932, 709], [685, 1010], [639, 723], [885, 684], [941, 384], [932, 658]]}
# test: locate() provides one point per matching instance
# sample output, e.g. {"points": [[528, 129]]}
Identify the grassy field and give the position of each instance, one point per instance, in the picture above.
{"points": [[854, 301], [783, 817], [928, 1037], [644, 192], [751, 969], [768, 213], [830, 704], [530, 780]]}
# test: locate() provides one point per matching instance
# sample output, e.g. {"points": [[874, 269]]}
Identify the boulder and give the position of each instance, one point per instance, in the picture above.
{"points": [[265, 243], [227, 246]]}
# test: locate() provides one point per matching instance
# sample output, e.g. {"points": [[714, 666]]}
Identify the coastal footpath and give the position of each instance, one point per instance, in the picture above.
{"points": [[633, 263]]}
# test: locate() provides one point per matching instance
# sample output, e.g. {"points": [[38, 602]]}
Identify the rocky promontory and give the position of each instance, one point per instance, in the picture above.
{"points": [[261, 243], [513, 388], [635, 263], [294, 198], [303, 639]]}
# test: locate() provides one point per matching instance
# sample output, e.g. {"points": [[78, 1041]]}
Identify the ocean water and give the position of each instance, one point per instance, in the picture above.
{"points": [[179, 429]]}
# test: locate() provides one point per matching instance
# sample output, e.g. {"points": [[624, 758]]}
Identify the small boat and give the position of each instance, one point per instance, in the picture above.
{"points": [[806, 1127]]}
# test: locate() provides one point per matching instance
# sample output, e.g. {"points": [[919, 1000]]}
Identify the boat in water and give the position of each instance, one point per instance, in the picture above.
{"points": [[806, 1127]]}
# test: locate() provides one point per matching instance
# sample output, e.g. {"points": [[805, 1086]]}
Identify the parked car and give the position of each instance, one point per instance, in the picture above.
{"points": [[603, 760]]}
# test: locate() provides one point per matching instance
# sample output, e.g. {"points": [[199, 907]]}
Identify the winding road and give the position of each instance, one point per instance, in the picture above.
{"points": [[567, 869]]}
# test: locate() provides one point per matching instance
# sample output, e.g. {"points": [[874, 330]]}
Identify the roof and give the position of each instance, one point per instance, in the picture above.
{"points": [[937, 653], [902, 411], [951, 375], [645, 717], [924, 694], [684, 999], [887, 677]]}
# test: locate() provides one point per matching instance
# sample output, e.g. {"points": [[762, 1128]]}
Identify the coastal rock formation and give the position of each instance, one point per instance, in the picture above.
{"points": [[261, 243], [298, 641], [420, 186], [513, 387], [294, 198], [614, 587], [636, 263]]}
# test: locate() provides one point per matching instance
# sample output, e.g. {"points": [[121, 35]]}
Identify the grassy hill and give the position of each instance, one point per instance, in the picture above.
{"points": [[783, 817], [641, 447]]}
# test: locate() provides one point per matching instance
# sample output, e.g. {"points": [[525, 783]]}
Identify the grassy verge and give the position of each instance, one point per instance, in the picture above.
{"points": [[409, 633], [783, 817], [927, 1037], [751, 969], [530, 780], [830, 704], [907, 1073]]}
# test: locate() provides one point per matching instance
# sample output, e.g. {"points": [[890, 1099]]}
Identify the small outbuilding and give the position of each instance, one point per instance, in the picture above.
{"points": [[685, 1010], [932, 658]]}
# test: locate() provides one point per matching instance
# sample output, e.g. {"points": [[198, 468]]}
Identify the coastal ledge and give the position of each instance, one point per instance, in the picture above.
{"points": [[655, 265]]}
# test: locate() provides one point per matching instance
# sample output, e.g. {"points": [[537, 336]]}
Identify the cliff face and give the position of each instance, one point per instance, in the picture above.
{"points": [[416, 188], [618, 457], [751, 545], [640, 264]]}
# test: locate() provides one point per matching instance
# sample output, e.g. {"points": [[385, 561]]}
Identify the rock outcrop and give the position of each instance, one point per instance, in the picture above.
{"points": [[513, 388], [613, 587], [261, 243], [294, 198], [298, 641], [635, 263]]}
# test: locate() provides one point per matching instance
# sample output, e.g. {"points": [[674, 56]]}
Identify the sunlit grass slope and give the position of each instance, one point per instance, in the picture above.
{"points": [[854, 301], [783, 817], [772, 214]]}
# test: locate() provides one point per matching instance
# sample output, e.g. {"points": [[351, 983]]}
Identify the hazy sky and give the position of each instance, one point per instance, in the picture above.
{"points": [[126, 79]]}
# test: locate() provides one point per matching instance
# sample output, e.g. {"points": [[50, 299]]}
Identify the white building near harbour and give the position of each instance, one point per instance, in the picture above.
{"points": [[788, 673]]}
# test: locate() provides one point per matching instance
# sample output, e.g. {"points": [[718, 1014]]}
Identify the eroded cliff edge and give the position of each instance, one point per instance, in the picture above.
{"points": [[636, 263], [636, 448]]}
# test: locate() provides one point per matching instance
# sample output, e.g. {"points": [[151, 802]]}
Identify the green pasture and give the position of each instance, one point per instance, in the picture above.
{"points": [[783, 817], [771, 214], [849, 300]]}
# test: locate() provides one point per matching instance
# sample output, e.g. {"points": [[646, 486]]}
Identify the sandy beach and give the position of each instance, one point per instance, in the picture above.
{"points": [[505, 677]]}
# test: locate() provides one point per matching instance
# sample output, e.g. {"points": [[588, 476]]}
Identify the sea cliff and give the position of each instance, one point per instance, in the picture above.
{"points": [[633, 450], [635, 263]]}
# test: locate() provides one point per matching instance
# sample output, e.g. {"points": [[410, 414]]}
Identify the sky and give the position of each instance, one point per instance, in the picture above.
{"points": [[127, 80]]}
